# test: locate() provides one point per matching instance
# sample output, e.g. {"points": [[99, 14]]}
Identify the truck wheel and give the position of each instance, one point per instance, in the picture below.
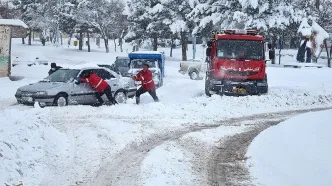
{"points": [[207, 89], [194, 75]]}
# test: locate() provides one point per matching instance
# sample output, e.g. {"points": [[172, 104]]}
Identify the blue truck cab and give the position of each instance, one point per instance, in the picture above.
{"points": [[156, 61]]}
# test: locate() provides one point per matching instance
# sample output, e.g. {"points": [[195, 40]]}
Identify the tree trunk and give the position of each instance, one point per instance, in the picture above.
{"points": [[328, 55], [23, 41], [106, 45], [69, 40], [171, 53], [120, 44], [29, 42], [88, 41], [184, 46], [114, 45], [80, 42], [33, 35], [155, 42], [61, 40]]}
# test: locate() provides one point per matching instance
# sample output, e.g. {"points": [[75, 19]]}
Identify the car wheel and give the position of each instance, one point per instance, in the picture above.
{"points": [[194, 75], [41, 105], [120, 97], [61, 100]]}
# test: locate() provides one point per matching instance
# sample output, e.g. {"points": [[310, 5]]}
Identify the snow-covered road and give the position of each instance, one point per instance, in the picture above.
{"points": [[174, 142]]}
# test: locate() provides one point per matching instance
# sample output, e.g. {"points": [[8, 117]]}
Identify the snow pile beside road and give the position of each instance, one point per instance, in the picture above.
{"points": [[295, 152], [209, 110], [26, 145]]}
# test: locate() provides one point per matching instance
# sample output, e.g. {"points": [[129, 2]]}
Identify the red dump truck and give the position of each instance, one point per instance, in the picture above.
{"points": [[236, 63]]}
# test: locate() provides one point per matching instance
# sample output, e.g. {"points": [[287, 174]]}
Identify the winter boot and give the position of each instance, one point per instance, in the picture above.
{"points": [[137, 100]]}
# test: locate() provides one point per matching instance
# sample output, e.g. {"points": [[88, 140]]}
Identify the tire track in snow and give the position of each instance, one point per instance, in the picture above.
{"points": [[124, 168]]}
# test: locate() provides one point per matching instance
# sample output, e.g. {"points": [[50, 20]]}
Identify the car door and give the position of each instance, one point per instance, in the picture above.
{"points": [[110, 77], [83, 93]]}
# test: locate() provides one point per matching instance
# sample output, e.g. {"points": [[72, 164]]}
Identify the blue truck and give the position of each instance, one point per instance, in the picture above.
{"points": [[156, 61]]}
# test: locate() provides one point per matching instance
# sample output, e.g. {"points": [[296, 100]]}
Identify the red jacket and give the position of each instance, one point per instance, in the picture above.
{"points": [[96, 82], [146, 79]]}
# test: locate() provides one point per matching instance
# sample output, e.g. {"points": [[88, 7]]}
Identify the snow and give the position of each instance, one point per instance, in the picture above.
{"points": [[295, 152], [13, 22], [170, 164], [178, 26], [60, 139], [166, 165], [146, 52]]}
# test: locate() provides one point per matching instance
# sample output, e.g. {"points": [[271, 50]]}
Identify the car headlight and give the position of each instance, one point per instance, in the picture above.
{"points": [[41, 93]]}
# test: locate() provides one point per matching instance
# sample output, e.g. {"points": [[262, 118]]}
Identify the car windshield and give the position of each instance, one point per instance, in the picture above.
{"points": [[63, 75], [139, 63], [240, 49], [122, 62]]}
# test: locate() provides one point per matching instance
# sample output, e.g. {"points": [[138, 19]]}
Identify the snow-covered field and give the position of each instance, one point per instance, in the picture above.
{"points": [[295, 152], [72, 145]]}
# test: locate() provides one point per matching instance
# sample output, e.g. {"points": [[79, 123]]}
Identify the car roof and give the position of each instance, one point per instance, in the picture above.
{"points": [[83, 68]]}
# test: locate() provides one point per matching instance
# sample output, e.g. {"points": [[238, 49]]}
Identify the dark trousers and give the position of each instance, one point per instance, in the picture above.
{"points": [[109, 96], [308, 55], [141, 91]]}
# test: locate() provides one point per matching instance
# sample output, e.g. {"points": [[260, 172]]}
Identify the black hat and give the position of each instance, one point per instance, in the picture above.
{"points": [[53, 65]]}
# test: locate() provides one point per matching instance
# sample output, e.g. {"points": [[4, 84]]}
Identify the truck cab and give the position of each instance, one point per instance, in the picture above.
{"points": [[236, 63], [156, 61]]}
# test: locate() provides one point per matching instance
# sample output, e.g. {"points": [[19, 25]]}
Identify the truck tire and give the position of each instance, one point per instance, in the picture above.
{"points": [[207, 89], [265, 89], [194, 74]]}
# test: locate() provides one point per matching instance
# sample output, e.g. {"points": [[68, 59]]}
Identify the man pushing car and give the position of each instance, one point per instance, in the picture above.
{"points": [[145, 76], [100, 85]]}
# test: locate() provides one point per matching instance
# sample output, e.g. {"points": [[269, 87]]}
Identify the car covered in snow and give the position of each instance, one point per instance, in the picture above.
{"points": [[59, 89], [194, 68], [120, 66], [35, 59]]}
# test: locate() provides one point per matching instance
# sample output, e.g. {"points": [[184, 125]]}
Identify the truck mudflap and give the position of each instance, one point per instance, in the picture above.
{"points": [[240, 87]]}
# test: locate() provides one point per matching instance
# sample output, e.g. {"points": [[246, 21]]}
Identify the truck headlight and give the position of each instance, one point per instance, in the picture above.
{"points": [[215, 82], [261, 84], [41, 93]]}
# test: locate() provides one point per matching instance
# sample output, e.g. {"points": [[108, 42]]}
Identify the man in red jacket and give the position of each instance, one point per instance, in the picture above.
{"points": [[100, 85], [145, 76]]}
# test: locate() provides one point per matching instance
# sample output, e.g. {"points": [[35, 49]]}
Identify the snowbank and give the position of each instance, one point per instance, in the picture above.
{"points": [[295, 152]]}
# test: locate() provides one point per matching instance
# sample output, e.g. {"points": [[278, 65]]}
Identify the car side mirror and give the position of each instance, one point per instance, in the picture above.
{"points": [[208, 51]]}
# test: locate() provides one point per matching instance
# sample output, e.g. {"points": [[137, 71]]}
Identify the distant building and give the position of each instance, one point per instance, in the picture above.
{"points": [[18, 27]]}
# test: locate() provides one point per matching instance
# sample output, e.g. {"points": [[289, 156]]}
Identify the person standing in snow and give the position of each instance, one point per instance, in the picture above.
{"points": [[53, 69], [145, 76], [308, 49], [301, 52], [100, 85]]}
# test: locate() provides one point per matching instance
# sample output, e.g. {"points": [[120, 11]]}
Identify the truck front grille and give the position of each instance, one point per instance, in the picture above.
{"points": [[240, 73]]}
